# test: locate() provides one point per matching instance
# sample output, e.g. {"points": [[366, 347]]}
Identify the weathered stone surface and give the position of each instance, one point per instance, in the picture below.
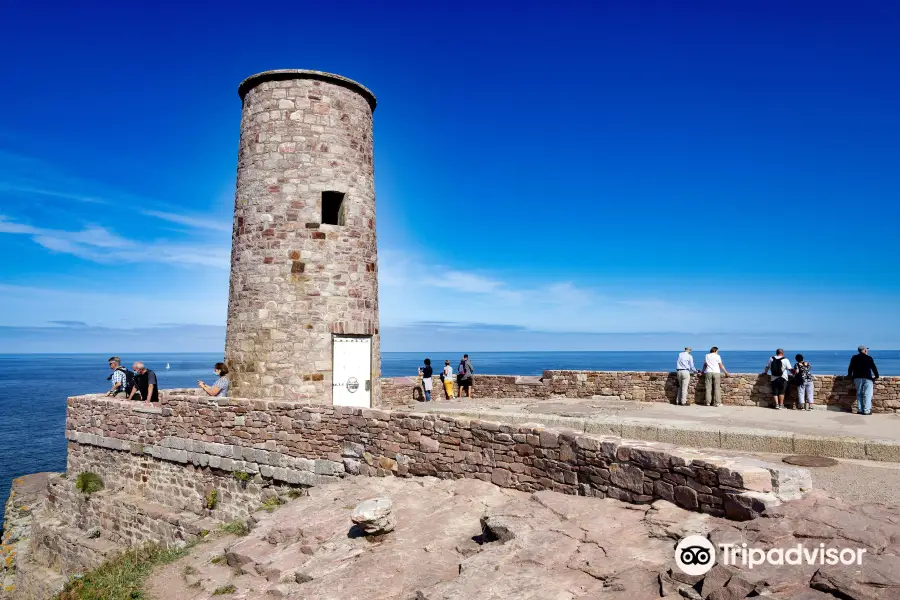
{"points": [[374, 516], [293, 286], [627, 476]]}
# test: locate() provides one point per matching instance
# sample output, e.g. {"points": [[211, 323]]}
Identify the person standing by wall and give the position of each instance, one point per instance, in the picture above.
{"points": [[804, 380], [221, 386], [447, 378], [464, 376], [684, 366], [713, 367], [864, 373], [780, 367], [426, 373]]}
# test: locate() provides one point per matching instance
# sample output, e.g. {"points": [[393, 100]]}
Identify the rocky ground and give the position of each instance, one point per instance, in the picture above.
{"points": [[467, 539]]}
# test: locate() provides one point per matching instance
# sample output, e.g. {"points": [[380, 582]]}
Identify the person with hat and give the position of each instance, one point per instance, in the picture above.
{"points": [[864, 373]]}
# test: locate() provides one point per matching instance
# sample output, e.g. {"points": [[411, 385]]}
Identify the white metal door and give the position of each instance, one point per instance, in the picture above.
{"points": [[352, 375]]}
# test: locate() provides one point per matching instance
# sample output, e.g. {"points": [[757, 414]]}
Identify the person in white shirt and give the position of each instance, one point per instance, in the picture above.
{"points": [[448, 380], [781, 370], [684, 366], [713, 367]]}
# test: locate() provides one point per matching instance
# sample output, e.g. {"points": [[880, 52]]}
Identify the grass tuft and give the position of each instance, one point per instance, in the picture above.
{"points": [[225, 589], [272, 503], [212, 499], [87, 483], [121, 578], [236, 527]]}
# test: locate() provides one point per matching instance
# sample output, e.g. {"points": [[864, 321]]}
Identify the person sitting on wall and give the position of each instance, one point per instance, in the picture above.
{"points": [[221, 386], [145, 384]]}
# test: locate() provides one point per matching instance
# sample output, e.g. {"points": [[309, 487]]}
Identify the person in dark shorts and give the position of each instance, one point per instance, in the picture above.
{"points": [[464, 376], [781, 369], [145, 383]]}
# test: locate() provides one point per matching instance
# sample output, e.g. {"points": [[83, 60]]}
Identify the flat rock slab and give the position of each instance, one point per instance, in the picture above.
{"points": [[546, 545], [805, 460]]}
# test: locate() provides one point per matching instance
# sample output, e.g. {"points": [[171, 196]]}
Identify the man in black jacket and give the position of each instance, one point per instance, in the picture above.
{"points": [[864, 373]]}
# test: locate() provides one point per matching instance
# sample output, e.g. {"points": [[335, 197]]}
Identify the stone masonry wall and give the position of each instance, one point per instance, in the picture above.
{"points": [[182, 487], [262, 436], [738, 388], [294, 280]]}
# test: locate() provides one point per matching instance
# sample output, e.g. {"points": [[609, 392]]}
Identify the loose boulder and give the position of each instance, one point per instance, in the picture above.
{"points": [[374, 516]]}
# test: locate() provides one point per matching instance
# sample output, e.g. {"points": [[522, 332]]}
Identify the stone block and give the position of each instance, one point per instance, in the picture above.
{"points": [[427, 444], [756, 440], [686, 497], [837, 447], [549, 439], [603, 427], [640, 431], [884, 450], [327, 467], [626, 476], [687, 435]]}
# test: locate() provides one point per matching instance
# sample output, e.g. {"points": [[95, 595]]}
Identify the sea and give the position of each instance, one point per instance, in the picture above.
{"points": [[34, 387]]}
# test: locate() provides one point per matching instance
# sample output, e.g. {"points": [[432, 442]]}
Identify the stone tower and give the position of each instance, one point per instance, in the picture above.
{"points": [[303, 302]]}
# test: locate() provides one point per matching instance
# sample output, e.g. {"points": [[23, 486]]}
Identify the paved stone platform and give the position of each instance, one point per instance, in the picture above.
{"points": [[818, 432]]}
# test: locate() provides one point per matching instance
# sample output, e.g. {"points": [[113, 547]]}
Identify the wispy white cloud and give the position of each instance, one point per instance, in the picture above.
{"points": [[439, 293], [191, 221], [97, 244], [30, 190], [25, 177]]}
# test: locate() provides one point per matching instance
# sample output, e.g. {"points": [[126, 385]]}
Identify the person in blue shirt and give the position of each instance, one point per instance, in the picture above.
{"points": [[221, 386], [684, 366]]}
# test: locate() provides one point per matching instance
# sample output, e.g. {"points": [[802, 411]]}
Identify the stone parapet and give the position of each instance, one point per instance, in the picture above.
{"points": [[743, 389], [276, 439]]}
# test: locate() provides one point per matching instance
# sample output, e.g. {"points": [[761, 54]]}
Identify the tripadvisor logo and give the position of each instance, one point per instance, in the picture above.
{"points": [[695, 555]]}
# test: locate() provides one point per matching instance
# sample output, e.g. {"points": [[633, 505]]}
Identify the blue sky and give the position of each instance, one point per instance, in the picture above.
{"points": [[627, 175]]}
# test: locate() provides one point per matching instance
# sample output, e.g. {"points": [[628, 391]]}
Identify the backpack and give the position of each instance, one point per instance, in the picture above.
{"points": [[777, 367], [462, 369], [803, 373], [129, 378]]}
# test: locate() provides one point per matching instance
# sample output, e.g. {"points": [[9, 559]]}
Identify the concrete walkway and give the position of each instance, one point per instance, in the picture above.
{"points": [[743, 428]]}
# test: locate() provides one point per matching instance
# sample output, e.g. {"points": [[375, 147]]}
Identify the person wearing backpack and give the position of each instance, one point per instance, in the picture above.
{"points": [[780, 367], [804, 380], [464, 376], [122, 379]]}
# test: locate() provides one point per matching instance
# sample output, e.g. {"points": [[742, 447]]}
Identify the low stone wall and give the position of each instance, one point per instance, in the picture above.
{"points": [[398, 391], [738, 388], [301, 444]]}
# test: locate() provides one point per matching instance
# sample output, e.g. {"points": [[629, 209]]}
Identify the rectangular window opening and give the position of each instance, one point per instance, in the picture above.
{"points": [[333, 209]]}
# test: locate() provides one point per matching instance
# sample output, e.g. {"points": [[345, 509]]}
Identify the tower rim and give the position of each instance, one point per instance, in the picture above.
{"points": [[286, 74]]}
